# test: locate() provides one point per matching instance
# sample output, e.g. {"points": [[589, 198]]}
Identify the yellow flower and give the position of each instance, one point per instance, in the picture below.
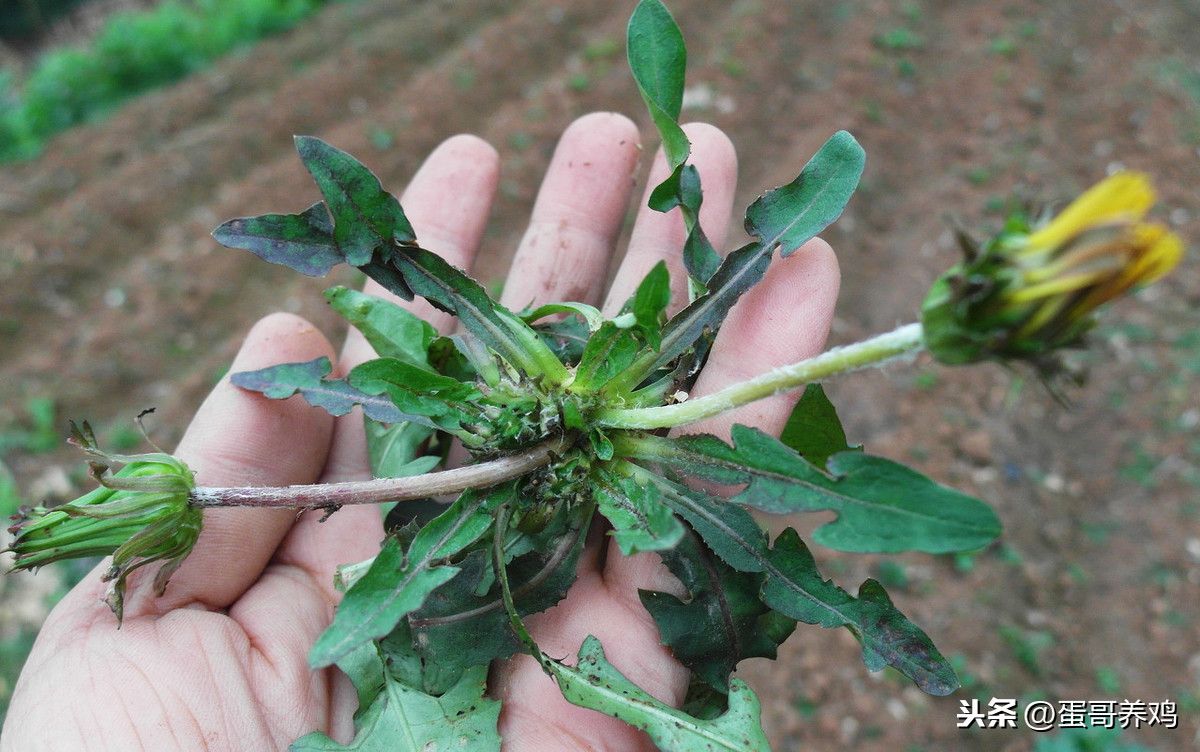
{"points": [[1032, 290]]}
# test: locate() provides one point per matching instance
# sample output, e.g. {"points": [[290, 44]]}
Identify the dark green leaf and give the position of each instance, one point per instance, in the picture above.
{"points": [[500, 329], [302, 241], [739, 271], [640, 520], [595, 684], [699, 257], [392, 331], [813, 429], [882, 506], [722, 622], [791, 215], [459, 626], [308, 379], [398, 582], [365, 217], [795, 588], [649, 304], [658, 60]]}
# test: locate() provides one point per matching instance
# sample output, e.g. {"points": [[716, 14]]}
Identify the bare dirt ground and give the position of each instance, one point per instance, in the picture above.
{"points": [[113, 298]]}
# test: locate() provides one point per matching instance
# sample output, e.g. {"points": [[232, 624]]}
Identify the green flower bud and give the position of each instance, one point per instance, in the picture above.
{"points": [[140, 514]]}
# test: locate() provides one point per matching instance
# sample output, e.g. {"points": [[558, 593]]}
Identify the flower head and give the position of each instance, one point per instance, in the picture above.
{"points": [[139, 514], [1033, 288]]}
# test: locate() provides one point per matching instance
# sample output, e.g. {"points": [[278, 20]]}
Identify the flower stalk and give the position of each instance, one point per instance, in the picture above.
{"points": [[381, 490], [906, 340]]}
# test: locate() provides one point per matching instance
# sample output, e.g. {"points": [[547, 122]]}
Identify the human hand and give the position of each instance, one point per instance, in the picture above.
{"points": [[220, 661]]}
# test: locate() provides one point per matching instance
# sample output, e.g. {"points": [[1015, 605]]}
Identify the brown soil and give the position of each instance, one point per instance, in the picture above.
{"points": [[114, 297]]}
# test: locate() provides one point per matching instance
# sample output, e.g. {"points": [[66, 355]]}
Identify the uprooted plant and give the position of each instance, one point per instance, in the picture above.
{"points": [[562, 412]]}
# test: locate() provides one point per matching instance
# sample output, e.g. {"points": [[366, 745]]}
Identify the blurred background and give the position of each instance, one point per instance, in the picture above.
{"points": [[130, 128]]}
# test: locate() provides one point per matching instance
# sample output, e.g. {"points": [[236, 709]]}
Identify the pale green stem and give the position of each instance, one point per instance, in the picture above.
{"points": [[906, 339]]}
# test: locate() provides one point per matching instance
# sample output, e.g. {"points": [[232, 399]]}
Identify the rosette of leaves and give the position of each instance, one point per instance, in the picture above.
{"points": [[420, 623]]}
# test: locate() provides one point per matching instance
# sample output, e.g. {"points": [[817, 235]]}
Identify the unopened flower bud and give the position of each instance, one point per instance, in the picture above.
{"points": [[139, 514]]}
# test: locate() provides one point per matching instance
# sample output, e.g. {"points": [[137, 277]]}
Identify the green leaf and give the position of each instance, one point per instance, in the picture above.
{"points": [[795, 588], [430, 398], [459, 626], [392, 331], [398, 582], [302, 241], [640, 520], [404, 719], [590, 314], [882, 506], [500, 329], [683, 190], [813, 429], [395, 449], [658, 60], [308, 379], [789, 216], [739, 271], [649, 304], [722, 622], [365, 217], [607, 353], [595, 684]]}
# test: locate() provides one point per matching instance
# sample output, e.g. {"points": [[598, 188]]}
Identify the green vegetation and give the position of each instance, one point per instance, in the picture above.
{"points": [[133, 53]]}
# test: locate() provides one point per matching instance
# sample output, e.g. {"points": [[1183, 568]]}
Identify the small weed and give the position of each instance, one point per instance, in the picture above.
{"points": [[40, 433], [1027, 646], [1108, 679]]}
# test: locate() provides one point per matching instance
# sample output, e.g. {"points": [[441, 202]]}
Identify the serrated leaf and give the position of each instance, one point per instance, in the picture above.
{"points": [[429, 398], [813, 428], [640, 520], [882, 506], [365, 216], [302, 241], [404, 719], [791, 215], [722, 622], [399, 581], [309, 380], [795, 588], [594, 683], [392, 331]]}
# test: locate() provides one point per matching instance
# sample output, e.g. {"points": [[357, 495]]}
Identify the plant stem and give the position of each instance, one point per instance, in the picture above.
{"points": [[380, 490], [882, 347]]}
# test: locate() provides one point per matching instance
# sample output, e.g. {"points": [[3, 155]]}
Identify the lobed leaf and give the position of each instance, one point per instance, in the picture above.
{"points": [[430, 398], [882, 506], [399, 581], [793, 587], [813, 429], [594, 683], [722, 622], [309, 380], [640, 521], [302, 241], [404, 719], [365, 216]]}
